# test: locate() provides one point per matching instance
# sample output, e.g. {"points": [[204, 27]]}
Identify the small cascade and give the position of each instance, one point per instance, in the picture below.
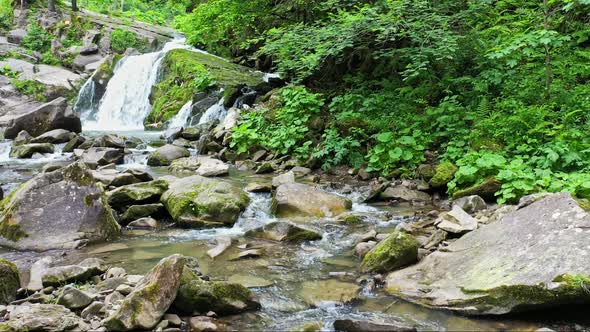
{"points": [[216, 112], [5, 147], [88, 100], [126, 103], [182, 117]]}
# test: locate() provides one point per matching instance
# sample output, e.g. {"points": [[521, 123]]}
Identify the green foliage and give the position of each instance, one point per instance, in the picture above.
{"points": [[8, 72], [6, 14], [151, 11], [121, 39], [283, 130], [37, 39], [404, 152], [30, 88]]}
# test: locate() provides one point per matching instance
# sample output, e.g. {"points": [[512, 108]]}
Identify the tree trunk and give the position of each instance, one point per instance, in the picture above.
{"points": [[548, 74], [51, 5], [74, 5]]}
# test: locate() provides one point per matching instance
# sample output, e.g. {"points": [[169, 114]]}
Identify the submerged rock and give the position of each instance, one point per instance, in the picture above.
{"points": [[297, 199], [203, 166], [150, 299], [164, 155], [196, 295], [62, 209], [26, 151], [197, 201], [284, 232], [397, 250], [316, 293], [9, 281], [531, 258], [349, 325]]}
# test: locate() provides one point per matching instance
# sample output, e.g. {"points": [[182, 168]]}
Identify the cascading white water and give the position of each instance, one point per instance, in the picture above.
{"points": [[125, 103], [86, 101], [181, 118], [216, 112]]}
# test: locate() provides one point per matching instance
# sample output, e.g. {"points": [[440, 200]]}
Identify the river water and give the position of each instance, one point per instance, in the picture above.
{"points": [[286, 275]]}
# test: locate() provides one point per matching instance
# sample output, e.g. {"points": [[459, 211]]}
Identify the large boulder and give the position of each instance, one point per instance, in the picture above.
{"points": [[26, 151], [164, 155], [9, 281], [197, 201], [397, 250], [145, 306], [138, 193], [297, 199], [42, 317], [56, 136], [284, 232], [223, 298], [203, 166], [534, 257], [62, 209], [53, 115]]}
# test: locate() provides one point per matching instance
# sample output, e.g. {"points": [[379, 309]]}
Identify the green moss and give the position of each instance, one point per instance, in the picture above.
{"points": [[185, 73], [443, 174], [571, 289], [486, 189], [397, 250], [9, 281]]}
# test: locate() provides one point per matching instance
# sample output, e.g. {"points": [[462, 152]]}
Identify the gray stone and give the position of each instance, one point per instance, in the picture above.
{"points": [[256, 187], [297, 199], [471, 204], [95, 309], [98, 156], [42, 317], [286, 178], [456, 221], [81, 61], [164, 155], [348, 325], [496, 269], [223, 243], [56, 136], [361, 249], [23, 137], [73, 298], [138, 193], [57, 210], [135, 212], [146, 222], [405, 194], [151, 298], [203, 166], [36, 274], [9, 281], [16, 36], [282, 231]]}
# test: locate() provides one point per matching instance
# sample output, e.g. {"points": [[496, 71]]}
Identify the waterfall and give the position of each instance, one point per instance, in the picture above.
{"points": [[181, 118], [215, 112], [87, 99], [126, 103]]}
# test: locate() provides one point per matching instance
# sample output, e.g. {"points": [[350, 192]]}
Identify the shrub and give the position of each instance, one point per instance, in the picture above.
{"points": [[121, 39]]}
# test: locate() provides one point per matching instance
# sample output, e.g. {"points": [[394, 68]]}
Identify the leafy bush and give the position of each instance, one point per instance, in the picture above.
{"points": [[30, 88], [8, 72], [121, 39], [37, 39], [403, 153], [6, 14], [283, 130]]}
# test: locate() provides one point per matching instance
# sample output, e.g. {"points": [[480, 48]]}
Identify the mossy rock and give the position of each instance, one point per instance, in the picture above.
{"points": [[26, 151], [181, 69], [9, 281], [138, 193], [223, 298], [197, 201], [443, 174], [486, 190], [397, 250]]}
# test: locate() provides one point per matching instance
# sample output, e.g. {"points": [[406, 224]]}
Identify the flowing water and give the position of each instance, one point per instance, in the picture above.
{"points": [[285, 273]]}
